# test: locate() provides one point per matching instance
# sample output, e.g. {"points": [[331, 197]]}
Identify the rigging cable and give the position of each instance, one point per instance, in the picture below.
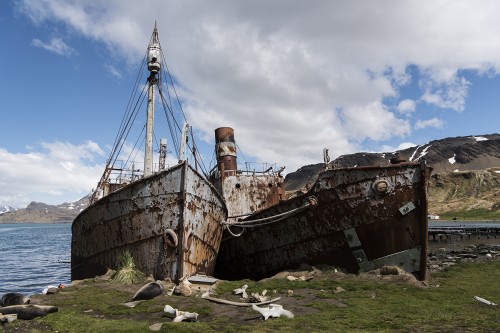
{"points": [[129, 109], [117, 151], [175, 137], [135, 145]]}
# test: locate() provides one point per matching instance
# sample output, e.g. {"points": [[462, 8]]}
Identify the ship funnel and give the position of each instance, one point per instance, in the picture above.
{"points": [[225, 150]]}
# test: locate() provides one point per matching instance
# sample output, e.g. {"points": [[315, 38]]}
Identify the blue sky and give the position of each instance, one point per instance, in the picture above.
{"points": [[290, 77]]}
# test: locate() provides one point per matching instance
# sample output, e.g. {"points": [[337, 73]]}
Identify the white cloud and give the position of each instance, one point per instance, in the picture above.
{"points": [[407, 106], [434, 122], [55, 45], [449, 95], [52, 172], [294, 77], [402, 146], [113, 71], [375, 122]]}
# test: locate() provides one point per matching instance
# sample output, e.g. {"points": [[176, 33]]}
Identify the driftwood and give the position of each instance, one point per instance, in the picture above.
{"points": [[223, 301]]}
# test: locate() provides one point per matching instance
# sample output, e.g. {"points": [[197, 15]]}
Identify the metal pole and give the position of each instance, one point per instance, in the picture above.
{"points": [[148, 152], [154, 66]]}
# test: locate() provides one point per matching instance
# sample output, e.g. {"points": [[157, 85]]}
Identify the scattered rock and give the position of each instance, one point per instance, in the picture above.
{"points": [[339, 289], [51, 291], [156, 327], [444, 258]]}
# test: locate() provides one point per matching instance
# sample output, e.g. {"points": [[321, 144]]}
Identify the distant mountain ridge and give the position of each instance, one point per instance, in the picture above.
{"points": [[41, 212], [6, 209], [466, 175], [457, 154]]}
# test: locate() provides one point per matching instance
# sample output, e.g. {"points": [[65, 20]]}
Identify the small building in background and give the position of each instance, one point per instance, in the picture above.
{"points": [[433, 216]]}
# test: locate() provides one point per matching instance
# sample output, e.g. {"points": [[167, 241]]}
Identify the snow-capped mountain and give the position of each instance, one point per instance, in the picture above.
{"points": [[6, 209], [41, 212]]}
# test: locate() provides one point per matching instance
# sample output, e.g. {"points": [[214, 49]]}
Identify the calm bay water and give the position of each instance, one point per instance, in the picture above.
{"points": [[33, 256]]}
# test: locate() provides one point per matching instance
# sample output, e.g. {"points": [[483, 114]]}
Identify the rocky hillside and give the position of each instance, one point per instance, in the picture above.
{"points": [[465, 190], [40, 212], [466, 171]]}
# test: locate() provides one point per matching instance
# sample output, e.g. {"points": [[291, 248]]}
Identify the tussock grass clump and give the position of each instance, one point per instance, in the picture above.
{"points": [[128, 273]]}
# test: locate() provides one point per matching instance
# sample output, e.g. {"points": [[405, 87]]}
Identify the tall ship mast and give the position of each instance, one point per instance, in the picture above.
{"points": [[154, 66], [170, 220]]}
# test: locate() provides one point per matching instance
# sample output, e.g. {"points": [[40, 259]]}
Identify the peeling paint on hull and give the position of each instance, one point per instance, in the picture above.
{"points": [[141, 216], [363, 220]]}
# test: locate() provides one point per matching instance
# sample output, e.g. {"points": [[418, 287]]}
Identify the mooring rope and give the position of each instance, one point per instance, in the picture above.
{"points": [[311, 201]]}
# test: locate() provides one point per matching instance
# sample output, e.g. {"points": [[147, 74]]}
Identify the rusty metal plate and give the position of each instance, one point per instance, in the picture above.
{"points": [[408, 260], [352, 237]]}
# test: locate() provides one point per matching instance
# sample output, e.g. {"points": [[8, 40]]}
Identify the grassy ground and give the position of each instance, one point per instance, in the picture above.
{"points": [[473, 214], [368, 303]]}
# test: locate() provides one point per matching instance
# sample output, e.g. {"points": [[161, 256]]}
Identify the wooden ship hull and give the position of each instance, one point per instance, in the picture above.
{"points": [[170, 222], [358, 219]]}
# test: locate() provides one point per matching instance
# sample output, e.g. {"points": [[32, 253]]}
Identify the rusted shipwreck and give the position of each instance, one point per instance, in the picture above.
{"points": [[359, 219], [236, 222], [168, 219]]}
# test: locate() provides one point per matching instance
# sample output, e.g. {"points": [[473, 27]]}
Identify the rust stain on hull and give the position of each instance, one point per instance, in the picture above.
{"points": [[365, 218], [141, 217]]}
